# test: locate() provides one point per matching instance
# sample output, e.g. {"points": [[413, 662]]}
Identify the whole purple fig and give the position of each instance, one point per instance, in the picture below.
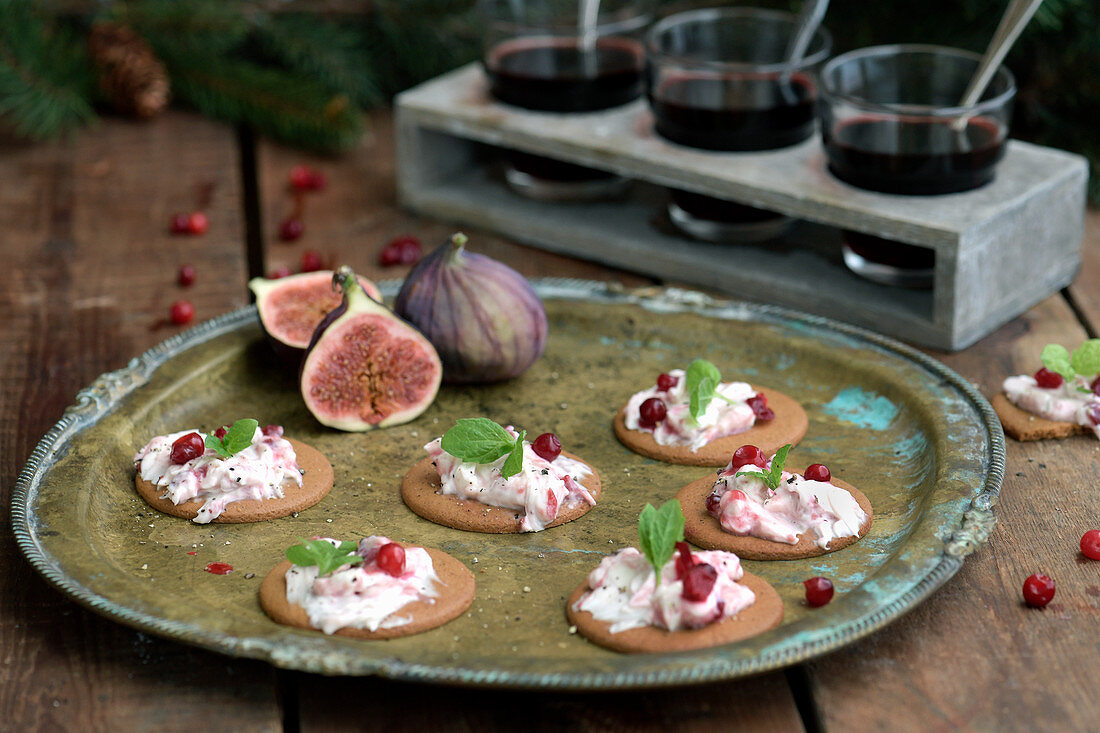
{"points": [[482, 316]]}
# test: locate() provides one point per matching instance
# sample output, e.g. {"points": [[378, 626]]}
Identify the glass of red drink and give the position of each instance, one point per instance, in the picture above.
{"points": [[564, 56], [719, 80], [891, 122]]}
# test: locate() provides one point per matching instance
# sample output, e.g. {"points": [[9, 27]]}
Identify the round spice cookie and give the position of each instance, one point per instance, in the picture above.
{"points": [[703, 530], [763, 615], [1024, 426], [455, 588], [420, 492], [789, 426], [317, 480]]}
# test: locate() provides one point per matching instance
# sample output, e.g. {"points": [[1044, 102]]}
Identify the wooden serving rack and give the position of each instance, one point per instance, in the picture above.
{"points": [[998, 249]]}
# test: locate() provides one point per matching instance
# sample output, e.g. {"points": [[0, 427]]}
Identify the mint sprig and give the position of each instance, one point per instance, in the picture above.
{"points": [[701, 382], [772, 477], [236, 439], [658, 532], [1085, 361], [480, 440], [325, 555]]}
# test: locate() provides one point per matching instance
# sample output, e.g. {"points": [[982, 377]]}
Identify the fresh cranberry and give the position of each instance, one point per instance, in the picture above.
{"points": [[391, 559], [817, 472], [665, 382], [1090, 544], [714, 502], [181, 223], [547, 446], [698, 582], [1048, 379], [403, 250], [273, 431], [301, 177], [684, 560], [181, 312], [651, 412], [198, 223], [759, 405], [317, 181], [187, 448], [312, 261], [819, 591], [291, 229], [186, 276], [748, 455], [1095, 386], [1038, 590], [1093, 413], [279, 272], [221, 432]]}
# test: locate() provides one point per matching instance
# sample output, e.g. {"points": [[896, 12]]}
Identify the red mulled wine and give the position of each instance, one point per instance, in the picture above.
{"points": [[734, 112], [887, 261], [561, 75], [914, 155]]}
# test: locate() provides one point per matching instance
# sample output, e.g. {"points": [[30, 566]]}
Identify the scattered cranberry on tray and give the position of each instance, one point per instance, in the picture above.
{"points": [[1090, 544], [547, 446], [291, 229], [187, 448], [817, 472], [748, 455], [403, 250], [186, 276], [651, 412], [391, 559], [1048, 379], [819, 591], [1038, 590], [219, 568], [181, 312]]}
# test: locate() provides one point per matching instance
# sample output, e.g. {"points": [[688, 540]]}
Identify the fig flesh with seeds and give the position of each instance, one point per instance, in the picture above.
{"points": [[292, 307], [366, 368]]}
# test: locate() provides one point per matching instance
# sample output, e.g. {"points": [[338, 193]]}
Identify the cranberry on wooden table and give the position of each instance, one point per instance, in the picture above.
{"points": [[181, 223], [819, 591], [304, 178], [651, 412], [181, 312], [312, 261], [291, 229], [279, 272], [186, 276], [187, 448], [403, 250], [547, 446], [1038, 590], [391, 559], [1090, 544], [198, 223]]}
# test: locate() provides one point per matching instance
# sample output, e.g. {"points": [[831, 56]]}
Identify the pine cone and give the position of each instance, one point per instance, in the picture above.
{"points": [[131, 75]]}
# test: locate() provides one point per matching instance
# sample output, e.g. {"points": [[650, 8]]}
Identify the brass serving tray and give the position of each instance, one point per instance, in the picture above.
{"points": [[918, 439]]}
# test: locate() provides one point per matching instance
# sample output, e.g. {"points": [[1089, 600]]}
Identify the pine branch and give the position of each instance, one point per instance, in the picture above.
{"points": [[45, 86]]}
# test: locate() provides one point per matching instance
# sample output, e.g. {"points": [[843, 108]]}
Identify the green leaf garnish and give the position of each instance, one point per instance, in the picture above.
{"points": [[325, 555], [658, 532], [771, 478], [236, 439], [701, 382], [1085, 361], [480, 440]]}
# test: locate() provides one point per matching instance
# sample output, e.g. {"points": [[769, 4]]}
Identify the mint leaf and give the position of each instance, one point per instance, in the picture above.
{"points": [[324, 555], [774, 475], [1056, 358], [701, 380], [237, 438], [477, 440], [514, 464], [1086, 359], [658, 532]]}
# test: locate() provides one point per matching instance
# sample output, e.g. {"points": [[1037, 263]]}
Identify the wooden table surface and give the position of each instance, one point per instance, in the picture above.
{"points": [[88, 275]]}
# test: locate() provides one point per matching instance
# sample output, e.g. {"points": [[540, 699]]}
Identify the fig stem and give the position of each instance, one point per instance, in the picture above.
{"points": [[458, 242], [345, 281]]}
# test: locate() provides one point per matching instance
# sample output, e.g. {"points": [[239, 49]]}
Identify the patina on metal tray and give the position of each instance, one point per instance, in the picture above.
{"points": [[917, 438]]}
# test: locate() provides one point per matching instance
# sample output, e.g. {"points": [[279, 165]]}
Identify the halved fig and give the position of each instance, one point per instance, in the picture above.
{"points": [[366, 368], [292, 307]]}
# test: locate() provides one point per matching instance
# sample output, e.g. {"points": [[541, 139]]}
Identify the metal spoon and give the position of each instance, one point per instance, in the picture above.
{"points": [[809, 18]]}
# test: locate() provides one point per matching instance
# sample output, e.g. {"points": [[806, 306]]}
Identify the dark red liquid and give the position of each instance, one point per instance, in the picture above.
{"points": [[744, 112], [917, 156], [556, 75], [726, 212], [888, 252], [553, 170]]}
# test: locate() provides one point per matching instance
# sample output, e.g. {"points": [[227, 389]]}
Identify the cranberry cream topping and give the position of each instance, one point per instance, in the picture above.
{"points": [[540, 489], [1071, 401], [366, 596], [623, 590], [257, 472], [676, 426], [746, 506]]}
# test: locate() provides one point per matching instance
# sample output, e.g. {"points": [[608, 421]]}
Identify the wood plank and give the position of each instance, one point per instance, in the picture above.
{"points": [[89, 272], [973, 656], [353, 218], [760, 704], [1084, 290]]}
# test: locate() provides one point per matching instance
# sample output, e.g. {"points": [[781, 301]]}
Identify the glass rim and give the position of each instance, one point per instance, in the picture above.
{"points": [[630, 24], [716, 13], [828, 94]]}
